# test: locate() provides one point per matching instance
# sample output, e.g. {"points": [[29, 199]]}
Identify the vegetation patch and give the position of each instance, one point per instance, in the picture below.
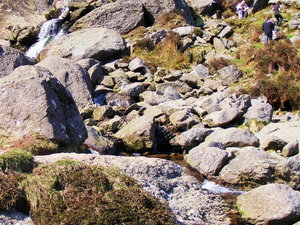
{"points": [[10, 193], [68, 192], [16, 160]]}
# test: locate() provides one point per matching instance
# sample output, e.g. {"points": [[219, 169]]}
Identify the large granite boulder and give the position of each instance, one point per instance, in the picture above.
{"points": [[97, 43], [251, 167], [114, 16], [10, 59], [138, 134], [34, 101], [73, 77], [204, 7], [233, 137], [207, 160], [270, 204]]}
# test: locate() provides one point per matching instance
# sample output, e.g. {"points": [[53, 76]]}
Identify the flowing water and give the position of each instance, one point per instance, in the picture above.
{"points": [[50, 31]]}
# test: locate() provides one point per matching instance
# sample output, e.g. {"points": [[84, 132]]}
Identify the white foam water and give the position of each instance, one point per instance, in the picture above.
{"points": [[50, 31], [218, 189]]}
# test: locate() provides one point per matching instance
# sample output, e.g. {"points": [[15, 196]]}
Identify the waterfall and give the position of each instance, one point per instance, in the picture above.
{"points": [[50, 30]]}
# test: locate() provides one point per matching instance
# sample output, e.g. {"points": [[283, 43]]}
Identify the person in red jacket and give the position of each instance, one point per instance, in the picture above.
{"points": [[268, 28]]}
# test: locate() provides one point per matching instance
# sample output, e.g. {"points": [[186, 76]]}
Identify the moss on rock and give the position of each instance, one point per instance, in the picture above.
{"points": [[68, 192], [17, 160]]}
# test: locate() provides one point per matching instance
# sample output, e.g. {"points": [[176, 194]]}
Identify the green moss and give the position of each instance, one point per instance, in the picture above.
{"points": [[254, 125], [69, 192], [16, 160]]}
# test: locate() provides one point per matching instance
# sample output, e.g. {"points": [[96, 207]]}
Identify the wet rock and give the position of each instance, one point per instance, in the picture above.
{"points": [[269, 204], [234, 137], [208, 161], [73, 77], [49, 110], [83, 44]]}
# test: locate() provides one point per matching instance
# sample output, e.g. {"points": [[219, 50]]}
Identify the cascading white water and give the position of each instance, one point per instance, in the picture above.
{"points": [[50, 30]]}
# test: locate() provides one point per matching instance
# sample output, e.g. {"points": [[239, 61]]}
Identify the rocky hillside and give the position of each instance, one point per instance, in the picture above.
{"points": [[148, 112]]}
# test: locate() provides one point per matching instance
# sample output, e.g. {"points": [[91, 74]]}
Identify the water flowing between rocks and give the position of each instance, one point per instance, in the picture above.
{"points": [[50, 30]]}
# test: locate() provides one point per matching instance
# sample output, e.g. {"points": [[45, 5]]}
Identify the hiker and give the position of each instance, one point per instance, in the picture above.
{"points": [[242, 9], [268, 28], [277, 15]]}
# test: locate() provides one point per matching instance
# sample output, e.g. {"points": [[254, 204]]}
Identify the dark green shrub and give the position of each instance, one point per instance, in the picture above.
{"points": [[69, 192], [16, 160]]}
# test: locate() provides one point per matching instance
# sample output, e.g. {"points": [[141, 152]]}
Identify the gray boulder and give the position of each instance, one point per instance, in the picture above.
{"points": [[138, 134], [272, 143], [98, 142], [34, 101], [73, 77], [234, 137], [270, 204], [251, 167], [219, 45], [183, 120], [260, 4], [204, 7], [96, 74], [184, 31], [181, 87], [83, 44], [290, 149], [221, 118], [171, 93], [287, 131], [290, 171], [114, 16], [87, 63], [133, 90], [152, 98], [208, 161], [226, 32], [190, 138], [136, 64], [259, 111], [230, 74], [10, 59]]}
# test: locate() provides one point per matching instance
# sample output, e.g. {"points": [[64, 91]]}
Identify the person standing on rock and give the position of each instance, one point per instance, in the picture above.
{"points": [[268, 28], [277, 14], [242, 9]]}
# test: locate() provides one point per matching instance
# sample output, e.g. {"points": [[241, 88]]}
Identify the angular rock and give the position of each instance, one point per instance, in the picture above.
{"points": [[171, 93], [208, 161], [280, 130], [138, 135], [87, 63], [234, 137], [184, 119], [96, 74], [136, 64], [73, 77], [272, 143], [190, 138], [83, 44], [184, 31], [114, 16], [226, 32], [230, 74], [260, 112], [49, 110], [251, 167], [221, 118], [219, 45], [179, 86], [99, 143], [103, 112], [204, 7], [10, 59], [133, 90], [202, 71], [270, 204], [152, 98]]}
